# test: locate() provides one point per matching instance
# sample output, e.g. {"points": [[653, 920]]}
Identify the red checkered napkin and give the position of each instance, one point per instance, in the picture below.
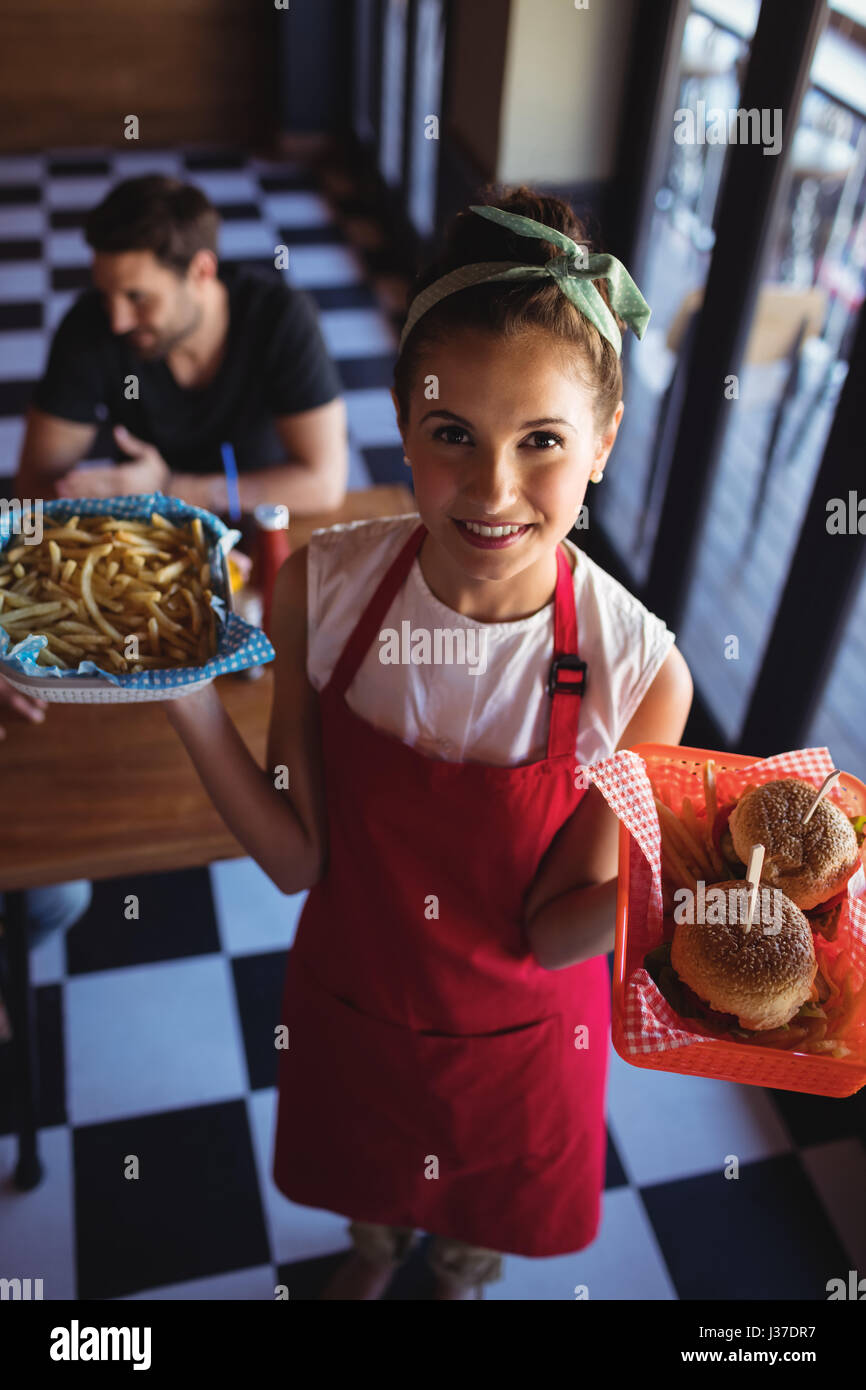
{"points": [[650, 1023]]}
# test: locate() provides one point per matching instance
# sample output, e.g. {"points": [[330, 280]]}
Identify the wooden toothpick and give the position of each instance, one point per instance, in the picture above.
{"points": [[753, 878], [825, 786]]}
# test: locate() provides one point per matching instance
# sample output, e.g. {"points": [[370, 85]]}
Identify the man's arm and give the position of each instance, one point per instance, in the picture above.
{"points": [[312, 480], [51, 448]]}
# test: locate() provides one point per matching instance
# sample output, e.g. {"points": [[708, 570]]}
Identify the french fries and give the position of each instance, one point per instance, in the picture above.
{"points": [[129, 595]]}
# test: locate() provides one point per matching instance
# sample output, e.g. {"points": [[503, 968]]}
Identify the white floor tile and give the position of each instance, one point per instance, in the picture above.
{"points": [[252, 914], [48, 959], [838, 1171], [623, 1262], [22, 354], [298, 209], [77, 193], [668, 1126], [357, 332], [295, 1232], [26, 220], [240, 239], [228, 186], [239, 1286], [22, 281], [372, 419], [133, 163], [279, 168], [21, 168], [68, 248], [151, 1038], [321, 267], [58, 304], [11, 438], [359, 473], [38, 1227]]}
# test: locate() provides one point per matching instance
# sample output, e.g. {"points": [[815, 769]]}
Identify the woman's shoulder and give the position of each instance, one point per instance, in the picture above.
{"points": [[624, 645], [597, 589], [357, 538], [344, 564]]}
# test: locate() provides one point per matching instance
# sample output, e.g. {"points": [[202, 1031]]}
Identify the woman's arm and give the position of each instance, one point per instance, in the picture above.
{"points": [[282, 829], [570, 909]]}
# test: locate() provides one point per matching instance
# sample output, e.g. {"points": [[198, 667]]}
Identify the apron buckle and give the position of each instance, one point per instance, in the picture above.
{"points": [[567, 662]]}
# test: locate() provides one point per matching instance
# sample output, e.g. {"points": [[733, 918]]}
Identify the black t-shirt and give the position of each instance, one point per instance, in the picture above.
{"points": [[276, 363]]}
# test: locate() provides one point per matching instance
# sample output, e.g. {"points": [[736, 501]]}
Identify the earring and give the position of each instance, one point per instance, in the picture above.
{"points": [[596, 475], [407, 460]]}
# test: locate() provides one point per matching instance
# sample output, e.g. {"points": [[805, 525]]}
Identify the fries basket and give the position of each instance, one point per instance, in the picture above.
{"points": [[646, 1031], [238, 643]]}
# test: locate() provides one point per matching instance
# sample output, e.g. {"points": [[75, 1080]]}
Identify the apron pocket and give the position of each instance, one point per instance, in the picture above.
{"points": [[471, 1101], [502, 1093]]}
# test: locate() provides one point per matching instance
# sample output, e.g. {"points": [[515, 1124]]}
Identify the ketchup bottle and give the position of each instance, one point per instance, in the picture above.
{"points": [[271, 549]]}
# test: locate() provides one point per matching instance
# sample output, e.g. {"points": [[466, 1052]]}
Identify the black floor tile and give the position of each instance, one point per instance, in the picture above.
{"points": [[15, 397], [258, 263], [763, 1235], [23, 315], [20, 250], [78, 168], [70, 277], [51, 1089], [329, 235], [212, 161], [176, 919], [358, 296], [386, 465], [11, 193], [360, 373], [239, 212], [288, 183], [820, 1119], [615, 1175], [62, 219], [194, 1211], [259, 988]]}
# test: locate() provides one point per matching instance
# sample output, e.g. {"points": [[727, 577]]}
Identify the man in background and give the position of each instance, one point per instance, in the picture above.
{"points": [[183, 356]]}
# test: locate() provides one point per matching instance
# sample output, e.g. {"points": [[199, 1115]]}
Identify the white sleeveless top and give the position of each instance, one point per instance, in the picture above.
{"points": [[489, 703]]}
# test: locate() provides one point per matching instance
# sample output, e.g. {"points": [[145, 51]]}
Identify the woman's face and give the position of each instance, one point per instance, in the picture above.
{"points": [[500, 433]]}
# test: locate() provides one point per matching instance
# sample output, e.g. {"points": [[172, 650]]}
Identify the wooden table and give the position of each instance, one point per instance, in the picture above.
{"points": [[99, 791]]}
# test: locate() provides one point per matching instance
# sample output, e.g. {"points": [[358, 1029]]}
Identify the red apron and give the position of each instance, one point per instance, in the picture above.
{"points": [[436, 1076]]}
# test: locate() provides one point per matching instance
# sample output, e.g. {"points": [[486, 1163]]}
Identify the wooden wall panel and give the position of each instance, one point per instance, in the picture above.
{"points": [[192, 70]]}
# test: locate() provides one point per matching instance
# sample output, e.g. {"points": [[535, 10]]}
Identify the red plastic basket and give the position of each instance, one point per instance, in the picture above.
{"points": [[720, 1059]]}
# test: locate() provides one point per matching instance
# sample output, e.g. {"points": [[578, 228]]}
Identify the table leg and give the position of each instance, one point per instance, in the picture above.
{"points": [[22, 1012]]}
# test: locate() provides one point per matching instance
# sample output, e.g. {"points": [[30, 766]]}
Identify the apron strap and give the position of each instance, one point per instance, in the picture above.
{"points": [[370, 621], [566, 678]]}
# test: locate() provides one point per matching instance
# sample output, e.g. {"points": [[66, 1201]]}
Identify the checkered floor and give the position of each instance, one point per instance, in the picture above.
{"points": [[156, 1039], [156, 1036]]}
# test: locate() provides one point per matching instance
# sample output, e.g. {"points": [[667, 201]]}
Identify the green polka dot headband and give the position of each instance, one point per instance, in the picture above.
{"points": [[574, 271]]}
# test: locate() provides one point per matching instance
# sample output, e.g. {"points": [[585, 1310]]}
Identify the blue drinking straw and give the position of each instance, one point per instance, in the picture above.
{"points": [[230, 468]]}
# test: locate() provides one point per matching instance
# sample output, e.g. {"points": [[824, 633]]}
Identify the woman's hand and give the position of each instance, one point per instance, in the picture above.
{"points": [[27, 706]]}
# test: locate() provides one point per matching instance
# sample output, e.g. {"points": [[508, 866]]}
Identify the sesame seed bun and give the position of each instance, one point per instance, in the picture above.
{"points": [[809, 863], [761, 977]]}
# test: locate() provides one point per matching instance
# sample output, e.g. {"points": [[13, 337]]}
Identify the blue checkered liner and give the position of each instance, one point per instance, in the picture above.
{"points": [[239, 644]]}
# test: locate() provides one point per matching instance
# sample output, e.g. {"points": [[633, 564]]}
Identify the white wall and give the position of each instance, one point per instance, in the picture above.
{"points": [[562, 90]]}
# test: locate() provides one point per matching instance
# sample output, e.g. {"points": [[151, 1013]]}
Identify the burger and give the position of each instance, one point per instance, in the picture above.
{"points": [[811, 863], [756, 977]]}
